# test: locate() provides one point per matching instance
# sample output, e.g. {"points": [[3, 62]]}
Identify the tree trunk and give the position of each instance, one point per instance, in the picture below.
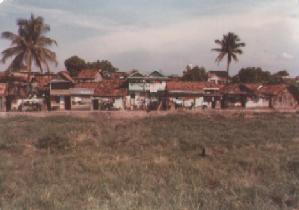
{"points": [[227, 69], [29, 68]]}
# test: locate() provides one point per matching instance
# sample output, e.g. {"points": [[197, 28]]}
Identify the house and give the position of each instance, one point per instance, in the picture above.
{"points": [[280, 96], [193, 95], [236, 95], [60, 92], [110, 95], [118, 75], [82, 95], [17, 89], [146, 92], [89, 75], [217, 77], [255, 99]]}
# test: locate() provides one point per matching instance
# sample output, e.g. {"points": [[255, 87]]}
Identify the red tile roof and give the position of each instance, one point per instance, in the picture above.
{"points": [[88, 73], [66, 75], [20, 76], [273, 89], [43, 80], [253, 86], [87, 85], [111, 88]]}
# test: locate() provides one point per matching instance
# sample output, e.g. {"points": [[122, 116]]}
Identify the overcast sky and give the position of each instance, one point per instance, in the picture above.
{"points": [[165, 34]]}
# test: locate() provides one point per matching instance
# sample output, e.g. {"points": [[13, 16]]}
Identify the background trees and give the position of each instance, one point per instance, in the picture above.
{"points": [[258, 75], [195, 74], [74, 64], [252, 75]]}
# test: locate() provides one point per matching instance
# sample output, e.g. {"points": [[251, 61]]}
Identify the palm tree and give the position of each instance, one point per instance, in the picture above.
{"points": [[230, 46], [29, 45]]}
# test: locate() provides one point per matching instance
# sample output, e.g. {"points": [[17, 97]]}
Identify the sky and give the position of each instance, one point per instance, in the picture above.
{"points": [[165, 35]]}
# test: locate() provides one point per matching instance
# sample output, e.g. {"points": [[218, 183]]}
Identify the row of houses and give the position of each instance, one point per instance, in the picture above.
{"points": [[90, 90]]}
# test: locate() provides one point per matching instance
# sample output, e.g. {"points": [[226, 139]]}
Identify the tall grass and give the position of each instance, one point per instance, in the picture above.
{"points": [[251, 162]]}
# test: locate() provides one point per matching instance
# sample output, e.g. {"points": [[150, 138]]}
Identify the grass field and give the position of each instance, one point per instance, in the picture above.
{"points": [[251, 162]]}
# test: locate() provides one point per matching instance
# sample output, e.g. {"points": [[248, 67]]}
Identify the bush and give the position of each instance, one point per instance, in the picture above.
{"points": [[54, 142]]}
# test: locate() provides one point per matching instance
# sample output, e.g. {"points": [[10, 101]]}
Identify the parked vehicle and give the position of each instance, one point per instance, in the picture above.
{"points": [[30, 105]]}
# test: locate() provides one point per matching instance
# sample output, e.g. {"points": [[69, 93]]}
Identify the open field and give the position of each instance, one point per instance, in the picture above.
{"points": [[59, 162]]}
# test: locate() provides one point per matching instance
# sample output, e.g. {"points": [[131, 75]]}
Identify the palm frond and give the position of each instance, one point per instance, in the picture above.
{"points": [[220, 57], [234, 56], [46, 41], [217, 49], [238, 51], [30, 44], [9, 35], [50, 56], [17, 62], [10, 52]]}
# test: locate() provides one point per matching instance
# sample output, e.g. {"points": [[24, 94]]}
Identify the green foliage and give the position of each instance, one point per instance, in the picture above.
{"points": [[105, 65], [258, 75], [74, 64], [253, 75], [277, 77], [195, 74], [294, 89]]}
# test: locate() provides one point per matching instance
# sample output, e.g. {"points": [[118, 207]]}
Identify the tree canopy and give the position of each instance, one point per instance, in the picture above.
{"points": [[74, 64], [195, 74], [258, 75], [253, 75]]}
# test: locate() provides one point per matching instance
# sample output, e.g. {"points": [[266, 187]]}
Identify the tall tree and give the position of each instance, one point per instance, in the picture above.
{"points": [[229, 46], [30, 45]]}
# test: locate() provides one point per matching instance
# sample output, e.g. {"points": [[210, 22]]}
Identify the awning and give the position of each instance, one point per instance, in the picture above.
{"points": [[81, 91], [58, 92]]}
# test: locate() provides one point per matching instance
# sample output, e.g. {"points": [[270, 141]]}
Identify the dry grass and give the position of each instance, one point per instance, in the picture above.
{"points": [[152, 163]]}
